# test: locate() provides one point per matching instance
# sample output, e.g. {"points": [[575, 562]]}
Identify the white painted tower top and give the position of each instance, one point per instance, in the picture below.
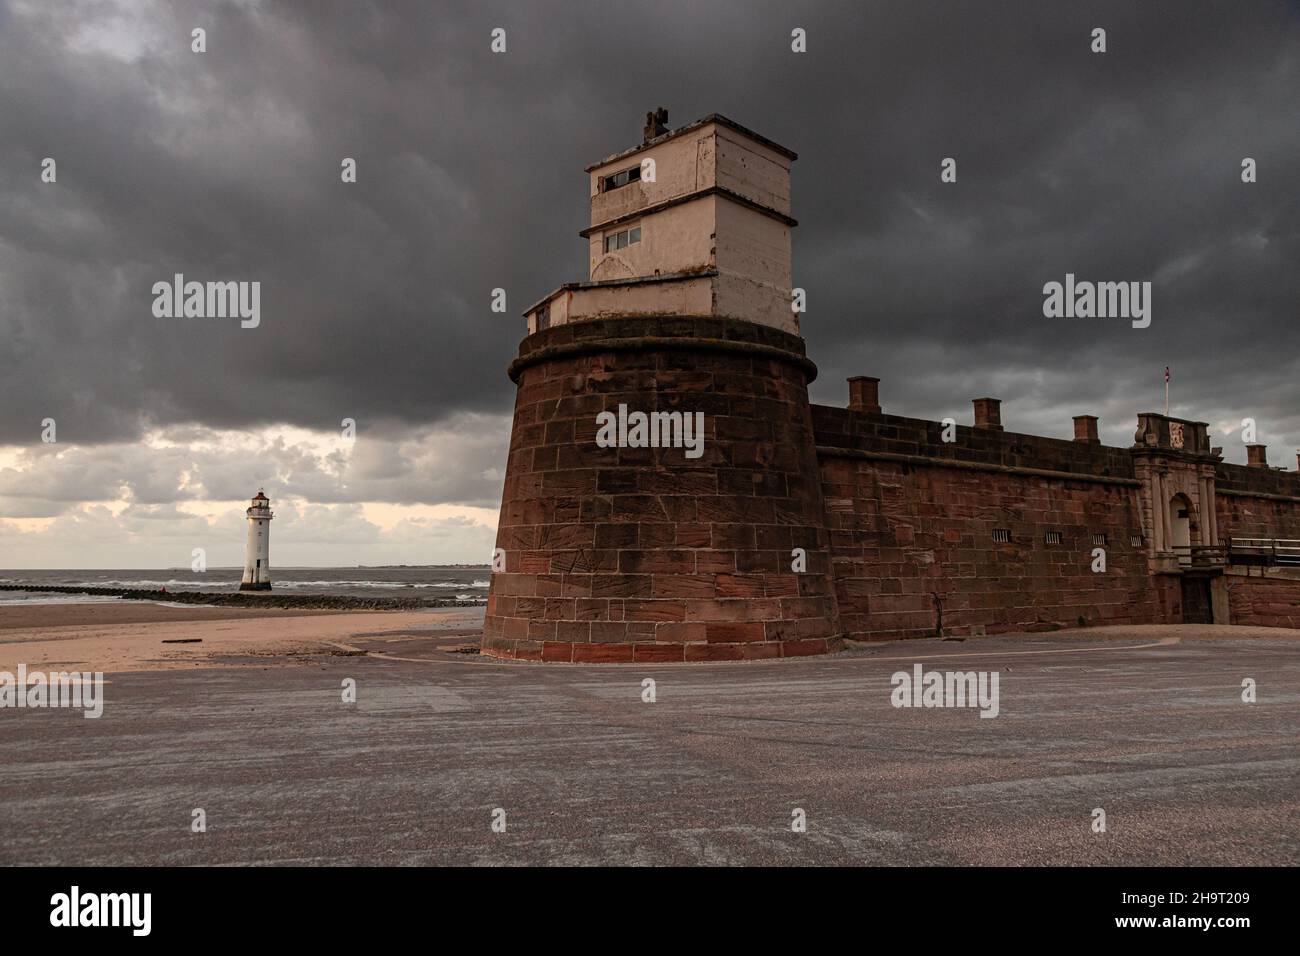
{"points": [[694, 221]]}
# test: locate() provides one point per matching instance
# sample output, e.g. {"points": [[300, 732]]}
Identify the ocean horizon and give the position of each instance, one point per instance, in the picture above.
{"points": [[458, 581]]}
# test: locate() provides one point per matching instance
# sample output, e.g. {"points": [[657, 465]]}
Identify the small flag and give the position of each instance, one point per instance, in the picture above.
{"points": [[1166, 374]]}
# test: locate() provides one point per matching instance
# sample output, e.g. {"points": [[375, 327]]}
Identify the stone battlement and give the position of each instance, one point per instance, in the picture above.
{"points": [[844, 431]]}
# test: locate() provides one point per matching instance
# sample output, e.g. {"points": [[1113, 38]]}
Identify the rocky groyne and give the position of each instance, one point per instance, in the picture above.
{"points": [[252, 599]]}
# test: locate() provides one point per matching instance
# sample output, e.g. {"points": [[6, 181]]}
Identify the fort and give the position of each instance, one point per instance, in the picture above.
{"points": [[623, 554]]}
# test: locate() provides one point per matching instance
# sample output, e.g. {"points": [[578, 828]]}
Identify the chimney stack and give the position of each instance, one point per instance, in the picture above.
{"points": [[1256, 456], [1085, 429], [656, 123], [988, 413], [864, 394]]}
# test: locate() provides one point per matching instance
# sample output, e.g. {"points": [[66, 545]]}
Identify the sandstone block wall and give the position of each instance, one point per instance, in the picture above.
{"points": [[641, 554], [1264, 601], [1257, 502], [912, 523]]}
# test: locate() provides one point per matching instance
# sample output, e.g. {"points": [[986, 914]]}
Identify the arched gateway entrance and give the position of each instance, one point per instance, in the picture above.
{"points": [[1176, 470]]}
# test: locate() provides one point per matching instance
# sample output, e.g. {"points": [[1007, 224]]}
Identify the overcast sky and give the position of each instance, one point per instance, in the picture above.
{"points": [[375, 295]]}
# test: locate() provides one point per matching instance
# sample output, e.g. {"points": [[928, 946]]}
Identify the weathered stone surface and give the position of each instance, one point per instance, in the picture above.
{"points": [[664, 557], [913, 550], [1264, 601], [655, 557]]}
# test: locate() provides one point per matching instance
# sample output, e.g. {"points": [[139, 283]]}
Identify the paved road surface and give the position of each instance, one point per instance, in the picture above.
{"points": [[1154, 733]]}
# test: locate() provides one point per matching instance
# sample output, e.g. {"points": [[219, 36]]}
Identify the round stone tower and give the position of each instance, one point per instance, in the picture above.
{"points": [[662, 499]]}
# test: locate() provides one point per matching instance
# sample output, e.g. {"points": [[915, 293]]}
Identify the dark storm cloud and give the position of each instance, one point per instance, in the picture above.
{"points": [[225, 165]]}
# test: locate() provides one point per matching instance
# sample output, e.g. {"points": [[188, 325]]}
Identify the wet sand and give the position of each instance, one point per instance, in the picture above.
{"points": [[113, 637]]}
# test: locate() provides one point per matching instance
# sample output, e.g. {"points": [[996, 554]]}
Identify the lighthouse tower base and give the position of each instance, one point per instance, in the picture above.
{"points": [[259, 586]]}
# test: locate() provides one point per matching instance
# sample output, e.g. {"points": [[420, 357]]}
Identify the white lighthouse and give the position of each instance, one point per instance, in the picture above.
{"points": [[257, 553]]}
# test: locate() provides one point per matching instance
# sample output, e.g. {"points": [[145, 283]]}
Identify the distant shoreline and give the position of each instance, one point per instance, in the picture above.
{"points": [[253, 599]]}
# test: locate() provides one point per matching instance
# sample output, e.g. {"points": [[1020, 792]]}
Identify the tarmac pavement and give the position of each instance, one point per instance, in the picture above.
{"points": [[1146, 724]]}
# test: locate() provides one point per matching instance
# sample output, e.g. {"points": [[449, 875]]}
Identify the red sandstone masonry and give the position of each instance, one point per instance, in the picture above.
{"points": [[621, 555], [1252, 516], [570, 653], [1256, 502], [1264, 601], [911, 539], [638, 555]]}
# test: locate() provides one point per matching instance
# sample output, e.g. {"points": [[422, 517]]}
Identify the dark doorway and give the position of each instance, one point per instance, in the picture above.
{"points": [[1196, 600]]}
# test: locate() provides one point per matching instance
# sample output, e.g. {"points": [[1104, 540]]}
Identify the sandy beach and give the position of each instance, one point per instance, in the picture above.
{"points": [[138, 636]]}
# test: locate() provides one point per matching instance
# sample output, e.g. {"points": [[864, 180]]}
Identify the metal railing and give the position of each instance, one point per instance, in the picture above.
{"points": [[1264, 552]]}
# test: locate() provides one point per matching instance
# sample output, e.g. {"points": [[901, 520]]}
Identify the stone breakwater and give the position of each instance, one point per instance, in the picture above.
{"points": [[252, 599]]}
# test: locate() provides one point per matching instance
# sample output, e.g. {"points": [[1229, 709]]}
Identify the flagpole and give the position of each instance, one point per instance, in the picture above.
{"points": [[1166, 391]]}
